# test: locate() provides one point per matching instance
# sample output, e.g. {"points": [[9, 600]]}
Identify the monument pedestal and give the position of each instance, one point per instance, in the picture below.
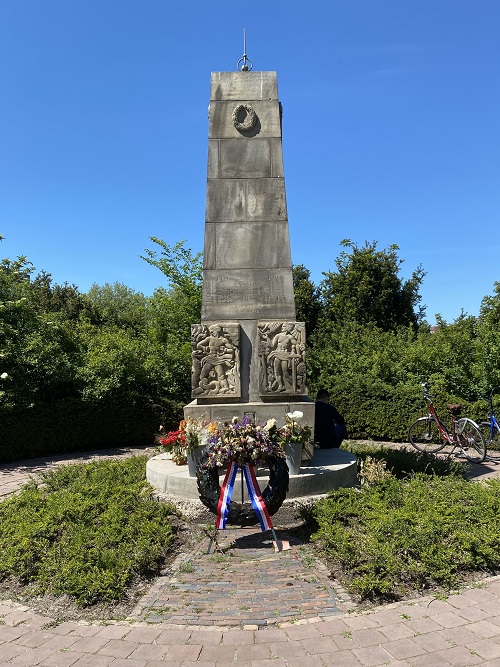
{"points": [[329, 469], [259, 412]]}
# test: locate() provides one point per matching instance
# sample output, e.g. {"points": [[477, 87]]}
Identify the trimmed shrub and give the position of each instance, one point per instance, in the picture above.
{"points": [[75, 425], [88, 530]]}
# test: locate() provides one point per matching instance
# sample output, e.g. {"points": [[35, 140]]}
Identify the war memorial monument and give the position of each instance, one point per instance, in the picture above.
{"points": [[248, 351]]}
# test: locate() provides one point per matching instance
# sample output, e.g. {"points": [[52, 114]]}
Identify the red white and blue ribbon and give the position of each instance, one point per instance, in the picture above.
{"points": [[225, 495], [253, 491], [255, 496]]}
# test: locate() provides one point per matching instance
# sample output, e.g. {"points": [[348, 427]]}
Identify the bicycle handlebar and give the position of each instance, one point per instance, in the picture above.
{"points": [[426, 387], [489, 398]]}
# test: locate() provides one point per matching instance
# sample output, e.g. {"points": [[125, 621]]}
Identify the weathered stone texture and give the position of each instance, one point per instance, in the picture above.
{"points": [[215, 350], [255, 245], [232, 158], [239, 200], [268, 120], [248, 294], [243, 86], [282, 364]]}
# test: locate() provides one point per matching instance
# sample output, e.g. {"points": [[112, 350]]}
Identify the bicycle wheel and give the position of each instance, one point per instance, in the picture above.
{"points": [[493, 445], [425, 436], [471, 440]]}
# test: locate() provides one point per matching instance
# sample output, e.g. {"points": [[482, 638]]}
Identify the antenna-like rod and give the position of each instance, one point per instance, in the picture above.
{"points": [[247, 63]]}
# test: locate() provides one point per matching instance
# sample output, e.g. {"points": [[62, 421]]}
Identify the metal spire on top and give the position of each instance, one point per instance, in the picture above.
{"points": [[247, 65]]}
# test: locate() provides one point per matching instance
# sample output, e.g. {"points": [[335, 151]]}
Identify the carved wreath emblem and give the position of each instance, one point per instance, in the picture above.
{"points": [[244, 118]]}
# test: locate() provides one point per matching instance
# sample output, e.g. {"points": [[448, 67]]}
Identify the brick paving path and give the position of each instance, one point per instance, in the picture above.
{"points": [[320, 630]]}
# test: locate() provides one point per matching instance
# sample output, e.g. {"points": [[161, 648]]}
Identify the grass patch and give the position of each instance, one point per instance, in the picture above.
{"points": [[413, 534], [85, 530]]}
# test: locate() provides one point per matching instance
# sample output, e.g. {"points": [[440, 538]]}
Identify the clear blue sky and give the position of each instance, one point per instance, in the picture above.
{"points": [[391, 132]]}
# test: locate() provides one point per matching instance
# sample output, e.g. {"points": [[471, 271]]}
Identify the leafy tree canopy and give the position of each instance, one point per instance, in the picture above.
{"points": [[307, 298], [366, 287]]}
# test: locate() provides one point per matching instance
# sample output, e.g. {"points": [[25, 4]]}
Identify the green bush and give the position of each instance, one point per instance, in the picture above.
{"points": [[406, 461], [409, 535], [76, 425], [86, 530]]}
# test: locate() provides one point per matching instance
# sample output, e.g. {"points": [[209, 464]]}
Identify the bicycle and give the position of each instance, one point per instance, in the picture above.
{"points": [[491, 431], [430, 434]]}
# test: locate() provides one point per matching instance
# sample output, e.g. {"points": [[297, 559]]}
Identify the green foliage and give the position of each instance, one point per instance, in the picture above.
{"points": [[367, 288], [118, 305], [182, 269], [409, 535], [73, 424], [307, 298], [86, 530], [405, 461], [114, 346]]}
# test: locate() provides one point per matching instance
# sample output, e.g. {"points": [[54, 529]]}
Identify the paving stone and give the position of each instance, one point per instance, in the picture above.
{"points": [[319, 645], [61, 659], [487, 648], [485, 629], [344, 658], [117, 648], [459, 656], [449, 620], [403, 648], [372, 656]]}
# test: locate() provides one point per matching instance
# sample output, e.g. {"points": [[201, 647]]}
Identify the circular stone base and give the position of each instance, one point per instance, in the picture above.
{"points": [[329, 469]]}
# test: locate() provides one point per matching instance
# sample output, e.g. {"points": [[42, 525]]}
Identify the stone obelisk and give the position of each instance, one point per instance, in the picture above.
{"points": [[248, 352]]}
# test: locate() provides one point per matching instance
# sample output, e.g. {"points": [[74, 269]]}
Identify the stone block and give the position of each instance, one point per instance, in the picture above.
{"points": [[267, 121], [243, 86], [243, 294], [282, 366], [248, 245], [258, 411], [215, 353], [237, 200]]}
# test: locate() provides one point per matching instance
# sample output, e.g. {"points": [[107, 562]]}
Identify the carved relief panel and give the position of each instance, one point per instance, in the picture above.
{"points": [[215, 353], [282, 364]]}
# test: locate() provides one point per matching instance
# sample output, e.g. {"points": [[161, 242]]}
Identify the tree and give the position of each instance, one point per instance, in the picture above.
{"points": [[118, 305], [367, 288], [307, 299], [173, 309], [182, 269]]}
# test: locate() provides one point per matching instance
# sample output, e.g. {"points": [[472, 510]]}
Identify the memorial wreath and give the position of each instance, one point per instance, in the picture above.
{"points": [[243, 444]]}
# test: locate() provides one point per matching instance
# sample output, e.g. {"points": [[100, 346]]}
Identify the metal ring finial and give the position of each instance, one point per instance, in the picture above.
{"points": [[247, 65]]}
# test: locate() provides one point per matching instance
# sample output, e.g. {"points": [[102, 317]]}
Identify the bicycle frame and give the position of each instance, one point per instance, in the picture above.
{"points": [[450, 438], [430, 434], [493, 420]]}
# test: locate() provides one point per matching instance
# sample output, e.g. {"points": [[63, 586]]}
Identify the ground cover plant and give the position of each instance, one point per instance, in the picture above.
{"points": [[404, 461], [396, 536], [86, 530]]}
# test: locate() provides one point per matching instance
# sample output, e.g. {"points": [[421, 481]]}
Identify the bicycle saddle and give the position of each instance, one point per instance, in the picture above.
{"points": [[454, 408]]}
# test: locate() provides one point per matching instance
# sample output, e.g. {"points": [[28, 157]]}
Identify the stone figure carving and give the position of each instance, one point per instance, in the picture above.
{"points": [[215, 360], [282, 364]]}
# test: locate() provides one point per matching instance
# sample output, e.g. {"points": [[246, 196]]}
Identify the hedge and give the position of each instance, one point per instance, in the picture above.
{"points": [[77, 425]]}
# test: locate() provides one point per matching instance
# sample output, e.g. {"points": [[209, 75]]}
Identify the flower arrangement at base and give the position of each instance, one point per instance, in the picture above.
{"points": [[198, 432], [191, 434], [244, 442], [174, 443], [292, 430]]}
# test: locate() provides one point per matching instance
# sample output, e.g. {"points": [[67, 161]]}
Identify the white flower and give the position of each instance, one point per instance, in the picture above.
{"points": [[4, 376], [271, 423], [295, 415]]}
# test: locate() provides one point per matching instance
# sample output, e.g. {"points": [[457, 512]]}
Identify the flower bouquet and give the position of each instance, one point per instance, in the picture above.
{"points": [[292, 436], [293, 431], [198, 433], [244, 442], [174, 443]]}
